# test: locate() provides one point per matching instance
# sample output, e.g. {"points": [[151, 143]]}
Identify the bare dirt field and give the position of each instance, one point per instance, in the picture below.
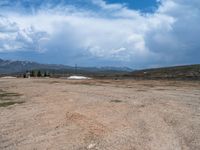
{"points": [[57, 114]]}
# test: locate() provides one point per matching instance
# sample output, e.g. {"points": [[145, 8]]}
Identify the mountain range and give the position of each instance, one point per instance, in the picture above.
{"points": [[13, 67]]}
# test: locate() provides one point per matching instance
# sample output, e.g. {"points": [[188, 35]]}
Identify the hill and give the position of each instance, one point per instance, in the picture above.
{"points": [[176, 72]]}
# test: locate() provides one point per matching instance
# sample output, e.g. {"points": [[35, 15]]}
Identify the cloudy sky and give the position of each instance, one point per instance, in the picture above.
{"points": [[132, 33]]}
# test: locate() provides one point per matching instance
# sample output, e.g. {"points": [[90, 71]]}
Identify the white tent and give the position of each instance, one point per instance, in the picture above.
{"points": [[78, 78]]}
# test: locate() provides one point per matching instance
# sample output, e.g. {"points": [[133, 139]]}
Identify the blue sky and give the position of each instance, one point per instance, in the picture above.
{"points": [[132, 33], [141, 5]]}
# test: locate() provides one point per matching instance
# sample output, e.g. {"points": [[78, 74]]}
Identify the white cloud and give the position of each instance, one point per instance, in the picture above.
{"points": [[107, 6], [179, 43], [15, 38], [7, 26]]}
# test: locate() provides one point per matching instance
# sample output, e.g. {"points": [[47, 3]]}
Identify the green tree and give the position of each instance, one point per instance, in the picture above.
{"points": [[24, 75], [34, 73], [46, 74], [39, 74]]}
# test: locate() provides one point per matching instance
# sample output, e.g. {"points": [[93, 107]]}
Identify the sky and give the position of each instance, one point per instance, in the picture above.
{"points": [[121, 33]]}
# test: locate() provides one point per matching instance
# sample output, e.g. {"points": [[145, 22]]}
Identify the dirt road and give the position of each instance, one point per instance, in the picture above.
{"points": [[57, 114]]}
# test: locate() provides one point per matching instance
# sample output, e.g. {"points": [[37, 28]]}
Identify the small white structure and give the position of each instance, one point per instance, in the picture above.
{"points": [[27, 75], [78, 78]]}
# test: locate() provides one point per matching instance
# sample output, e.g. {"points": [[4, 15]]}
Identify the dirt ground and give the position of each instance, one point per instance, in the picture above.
{"points": [[58, 114]]}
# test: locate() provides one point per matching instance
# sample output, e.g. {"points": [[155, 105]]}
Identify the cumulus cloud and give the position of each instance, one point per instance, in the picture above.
{"points": [[111, 33], [180, 43], [14, 38]]}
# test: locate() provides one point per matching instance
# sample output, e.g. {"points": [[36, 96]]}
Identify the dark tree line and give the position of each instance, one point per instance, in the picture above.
{"points": [[36, 73]]}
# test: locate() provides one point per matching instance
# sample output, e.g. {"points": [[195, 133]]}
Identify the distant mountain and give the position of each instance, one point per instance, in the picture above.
{"points": [[10, 67], [176, 72], [15, 67]]}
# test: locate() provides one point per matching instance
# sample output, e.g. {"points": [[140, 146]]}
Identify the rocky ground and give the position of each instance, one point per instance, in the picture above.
{"points": [[59, 114]]}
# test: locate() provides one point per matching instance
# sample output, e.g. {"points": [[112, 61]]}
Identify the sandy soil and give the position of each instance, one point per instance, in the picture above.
{"points": [[104, 115]]}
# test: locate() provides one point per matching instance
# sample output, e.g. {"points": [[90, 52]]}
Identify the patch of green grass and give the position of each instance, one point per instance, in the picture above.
{"points": [[9, 98], [116, 101], [8, 94], [5, 104]]}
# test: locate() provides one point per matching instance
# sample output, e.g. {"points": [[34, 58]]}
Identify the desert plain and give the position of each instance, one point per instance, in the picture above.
{"points": [[60, 114]]}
